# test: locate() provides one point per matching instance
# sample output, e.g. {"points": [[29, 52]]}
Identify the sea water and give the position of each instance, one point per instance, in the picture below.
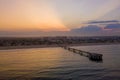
{"points": [[59, 64]]}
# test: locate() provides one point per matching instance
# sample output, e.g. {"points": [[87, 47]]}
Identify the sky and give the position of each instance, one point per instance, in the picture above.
{"points": [[59, 17]]}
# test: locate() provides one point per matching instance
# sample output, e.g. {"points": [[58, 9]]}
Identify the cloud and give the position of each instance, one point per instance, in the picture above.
{"points": [[89, 28], [113, 26], [101, 22]]}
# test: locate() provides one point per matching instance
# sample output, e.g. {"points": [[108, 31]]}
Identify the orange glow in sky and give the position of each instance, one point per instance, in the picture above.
{"points": [[53, 15], [30, 16]]}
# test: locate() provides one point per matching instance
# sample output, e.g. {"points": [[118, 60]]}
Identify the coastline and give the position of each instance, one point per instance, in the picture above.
{"points": [[48, 46]]}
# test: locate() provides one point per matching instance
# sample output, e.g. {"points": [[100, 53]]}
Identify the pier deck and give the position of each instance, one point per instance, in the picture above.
{"points": [[91, 56]]}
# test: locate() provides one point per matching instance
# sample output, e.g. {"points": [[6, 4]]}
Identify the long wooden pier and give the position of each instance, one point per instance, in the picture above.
{"points": [[91, 56]]}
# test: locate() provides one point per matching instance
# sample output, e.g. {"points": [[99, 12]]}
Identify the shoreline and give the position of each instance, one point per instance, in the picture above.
{"points": [[52, 46]]}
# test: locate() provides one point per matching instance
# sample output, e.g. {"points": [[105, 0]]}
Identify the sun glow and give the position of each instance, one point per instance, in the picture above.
{"points": [[31, 16]]}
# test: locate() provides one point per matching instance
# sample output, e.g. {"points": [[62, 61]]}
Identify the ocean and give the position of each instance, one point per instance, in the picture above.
{"points": [[59, 64]]}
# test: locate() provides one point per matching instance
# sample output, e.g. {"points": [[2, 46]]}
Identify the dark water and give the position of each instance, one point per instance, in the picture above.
{"points": [[59, 64]]}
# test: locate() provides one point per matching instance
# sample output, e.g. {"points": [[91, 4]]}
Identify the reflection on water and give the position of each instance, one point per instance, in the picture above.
{"points": [[59, 64]]}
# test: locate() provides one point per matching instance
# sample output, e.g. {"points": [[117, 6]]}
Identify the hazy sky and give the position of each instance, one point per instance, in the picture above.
{"points": [[54, 15]]}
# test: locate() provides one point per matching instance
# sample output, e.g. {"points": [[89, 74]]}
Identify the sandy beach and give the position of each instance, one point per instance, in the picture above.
{"points": [[47, 46]]}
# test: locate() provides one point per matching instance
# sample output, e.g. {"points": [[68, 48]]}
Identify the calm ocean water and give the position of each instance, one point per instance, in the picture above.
{"points": [[59, 64]]}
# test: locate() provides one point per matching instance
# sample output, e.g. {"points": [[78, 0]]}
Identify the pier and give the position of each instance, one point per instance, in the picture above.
{"points": [[92, 56]]}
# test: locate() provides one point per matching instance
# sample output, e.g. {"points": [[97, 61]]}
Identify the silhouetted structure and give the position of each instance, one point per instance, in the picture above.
{"points": [[54, 40], [91, 56]]}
